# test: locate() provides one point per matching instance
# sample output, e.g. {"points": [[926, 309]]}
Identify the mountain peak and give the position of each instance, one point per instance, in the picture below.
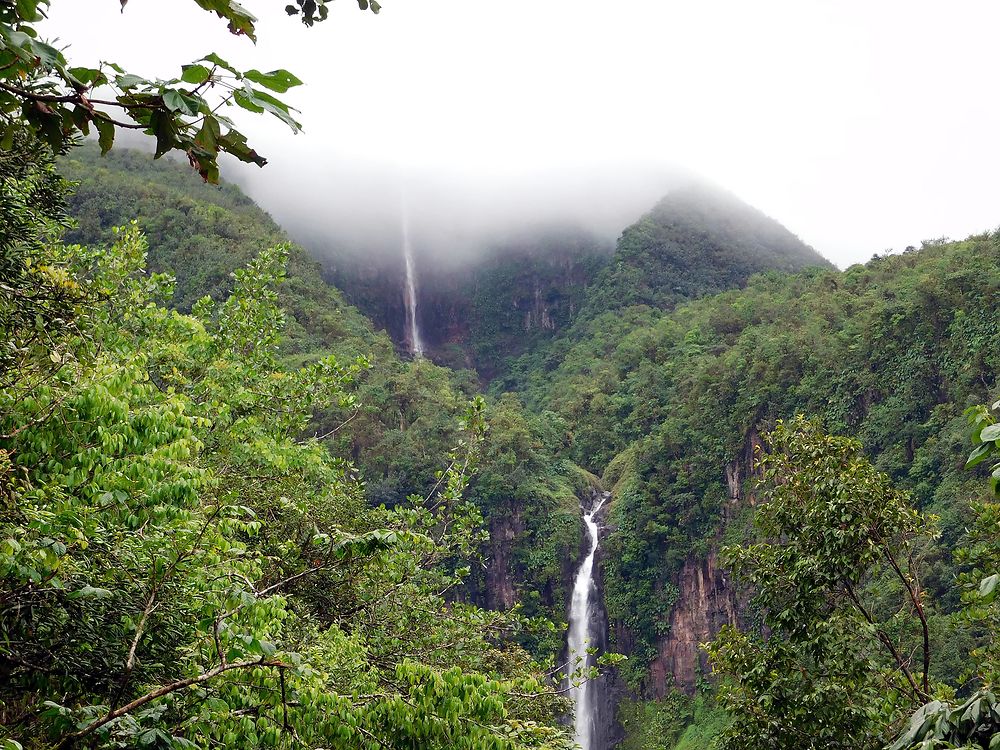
{"points": [[696, 240]]}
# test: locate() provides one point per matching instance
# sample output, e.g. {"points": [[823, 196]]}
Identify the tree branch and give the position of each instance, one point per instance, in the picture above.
{"points": [[919, 607], [887, 642], [172, 687]]}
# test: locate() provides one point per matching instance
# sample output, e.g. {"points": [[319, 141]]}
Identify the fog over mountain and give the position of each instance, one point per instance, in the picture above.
{"points": [[454, 219], [859, 126]]}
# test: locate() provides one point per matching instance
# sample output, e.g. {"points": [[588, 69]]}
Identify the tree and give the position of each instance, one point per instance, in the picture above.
{"points": [[845, 649], [985, 437], [975, 722], [42, 94], [181, 565], [36, 300]]}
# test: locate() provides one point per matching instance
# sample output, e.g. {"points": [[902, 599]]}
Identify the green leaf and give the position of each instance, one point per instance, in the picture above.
{"points": [[978, 455], [256, 100], [276, 80], [988, 585], [219, 62], [178, 101], [208, 136], [7, 141], [130, 81], [46, 56], [90, 592], [88, 76], [163, 126], [990, 433], [247, 101], [81, 118], [28, 10], [195, 73], [240, 20], [235, 143]]}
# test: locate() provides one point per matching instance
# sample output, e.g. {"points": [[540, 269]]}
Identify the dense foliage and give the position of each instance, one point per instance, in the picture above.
{"points": [[200, 234], [669, 403], [535, 292], [696, 241], [183, 566], [483, 307], [974, 722], [405, 412], [844, 648], [848, 641]]}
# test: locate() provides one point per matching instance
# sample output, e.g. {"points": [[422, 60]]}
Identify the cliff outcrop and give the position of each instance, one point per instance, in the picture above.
{"points": [[707, 601]]}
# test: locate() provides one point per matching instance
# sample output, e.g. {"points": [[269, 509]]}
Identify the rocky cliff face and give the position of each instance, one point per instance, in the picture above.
{"points": [[707, 597], [707, 601], [500, 592], [608, 688], [500, 587], [475, 315]]}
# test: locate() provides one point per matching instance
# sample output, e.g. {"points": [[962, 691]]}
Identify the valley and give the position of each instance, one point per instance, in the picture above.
{"points": [[494, 376], [647, 373]]}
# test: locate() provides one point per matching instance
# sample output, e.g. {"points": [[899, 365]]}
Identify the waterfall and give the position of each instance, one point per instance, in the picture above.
{"points": [[412, 327], [582, 634]]}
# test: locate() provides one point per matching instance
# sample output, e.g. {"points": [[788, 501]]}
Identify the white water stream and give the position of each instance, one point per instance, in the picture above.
{"points": [[581, 637], [412, 327]]}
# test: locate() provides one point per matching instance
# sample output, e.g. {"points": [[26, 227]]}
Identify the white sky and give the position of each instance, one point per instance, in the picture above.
{"points": [[861, 126]]}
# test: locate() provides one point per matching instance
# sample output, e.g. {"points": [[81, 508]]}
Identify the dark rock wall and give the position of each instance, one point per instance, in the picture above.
{"points": [[476, 316], [500, 592], [608, 688], [708, 598], [707, 601]]}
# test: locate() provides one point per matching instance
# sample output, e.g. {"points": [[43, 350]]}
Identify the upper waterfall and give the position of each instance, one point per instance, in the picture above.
{"points": [[581, 631], [412, 325]]}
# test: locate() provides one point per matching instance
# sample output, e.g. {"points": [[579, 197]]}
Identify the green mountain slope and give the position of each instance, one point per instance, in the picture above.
{"points": [[669, 406], [696, 241], [200, 234], [518, 293], [408, 410], [526, 292], [657, 367]]}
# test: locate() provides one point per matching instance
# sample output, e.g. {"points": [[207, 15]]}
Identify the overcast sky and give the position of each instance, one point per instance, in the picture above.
{"points": [[861, 126]]}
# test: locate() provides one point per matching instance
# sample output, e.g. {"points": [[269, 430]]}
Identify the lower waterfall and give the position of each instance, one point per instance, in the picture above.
{"points": [[582, 634]]}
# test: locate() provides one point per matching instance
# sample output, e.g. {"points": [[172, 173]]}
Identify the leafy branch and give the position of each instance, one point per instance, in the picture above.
{"points": [[43, 94]]}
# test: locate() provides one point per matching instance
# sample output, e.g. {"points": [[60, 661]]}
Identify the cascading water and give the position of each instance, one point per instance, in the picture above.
{"points": [[412, 326], [581, 631]]}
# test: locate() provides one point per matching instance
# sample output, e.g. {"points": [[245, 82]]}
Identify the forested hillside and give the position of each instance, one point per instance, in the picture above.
{"points": [[528, 451], [697, 240], [200, 234], [638, 373], [404, 416], [487, 305], [524, 294], [672, 408], [220, 438]]}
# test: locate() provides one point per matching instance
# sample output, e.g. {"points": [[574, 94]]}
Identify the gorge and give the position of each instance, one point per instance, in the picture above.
{"points": [[575, 378], [651, 369]]}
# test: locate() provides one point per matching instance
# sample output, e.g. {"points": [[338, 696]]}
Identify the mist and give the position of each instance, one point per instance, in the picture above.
{"points": [[454, 220], [861, 127]]}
